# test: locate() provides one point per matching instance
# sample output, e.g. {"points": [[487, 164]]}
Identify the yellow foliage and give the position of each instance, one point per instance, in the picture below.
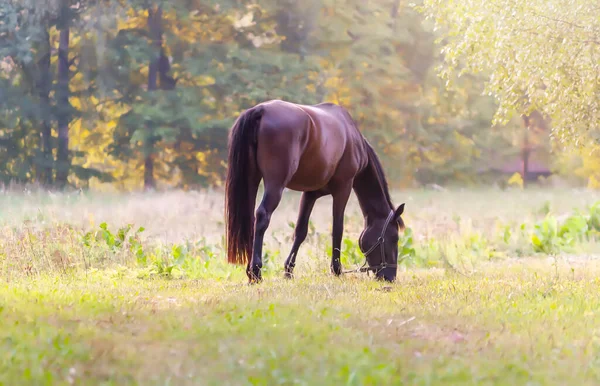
{"points": [[205, 80], [135, 19], [589, 165], [93, 137], [201, 157], [516, 180], [593, 183]]}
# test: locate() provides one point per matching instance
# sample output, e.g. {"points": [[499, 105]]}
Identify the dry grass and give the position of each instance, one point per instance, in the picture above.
{"points": [[177, 216]]}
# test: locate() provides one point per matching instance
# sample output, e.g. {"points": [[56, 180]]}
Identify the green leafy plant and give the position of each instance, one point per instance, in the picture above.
{"points": [[545, 237], [506, 234], [405, 245], [116, 242], [574, 229], [594, 217]]}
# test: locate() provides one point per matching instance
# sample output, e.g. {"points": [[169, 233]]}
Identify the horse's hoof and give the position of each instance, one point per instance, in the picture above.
{"points": [[336, 269], [254, 280], [254, 275], [289, 272]]}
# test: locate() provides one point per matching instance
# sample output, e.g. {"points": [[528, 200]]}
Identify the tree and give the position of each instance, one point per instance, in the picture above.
{"points": [[538, 55], [27, 82], [143, 92], [379, 59], [44, 86], [63, 106], [36, 101], [222, 59], [155, 30]]}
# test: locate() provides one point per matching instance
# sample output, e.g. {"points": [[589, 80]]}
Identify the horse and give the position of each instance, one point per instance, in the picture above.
{"points": [[317, 150]]}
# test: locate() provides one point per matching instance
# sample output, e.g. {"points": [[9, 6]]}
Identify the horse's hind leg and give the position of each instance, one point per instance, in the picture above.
{"points": [[307, 202], [270, 201]]}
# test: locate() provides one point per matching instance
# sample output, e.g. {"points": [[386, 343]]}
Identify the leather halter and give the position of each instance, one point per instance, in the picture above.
{"points": [[380, 242]]}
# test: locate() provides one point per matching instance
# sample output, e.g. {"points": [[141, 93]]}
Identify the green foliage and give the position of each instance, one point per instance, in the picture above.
{"points": [[551, 236], [594, 218], [406, 248], [545, 237], [351, 254], [574, 229], [117, 242], [216, 59], [537, 55]]}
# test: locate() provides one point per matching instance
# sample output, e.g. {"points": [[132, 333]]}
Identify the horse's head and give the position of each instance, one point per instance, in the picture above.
{"points": [[379, 243]]}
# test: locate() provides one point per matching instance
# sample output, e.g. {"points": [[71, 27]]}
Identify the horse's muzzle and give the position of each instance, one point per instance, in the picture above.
{"points": [[387, 274]]}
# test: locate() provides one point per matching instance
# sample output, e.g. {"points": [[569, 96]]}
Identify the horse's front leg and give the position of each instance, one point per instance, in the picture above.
{"points": [[269, 203], [340, 199], [307, 203]]}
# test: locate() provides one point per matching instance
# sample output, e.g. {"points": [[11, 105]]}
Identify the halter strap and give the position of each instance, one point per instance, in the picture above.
{"points": [[379, 242]]}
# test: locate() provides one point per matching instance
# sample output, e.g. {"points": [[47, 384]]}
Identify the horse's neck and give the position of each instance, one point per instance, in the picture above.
{"points": [[370, 194]]}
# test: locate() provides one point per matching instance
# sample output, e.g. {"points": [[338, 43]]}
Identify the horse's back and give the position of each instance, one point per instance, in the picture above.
{"points": [[306, 146]]}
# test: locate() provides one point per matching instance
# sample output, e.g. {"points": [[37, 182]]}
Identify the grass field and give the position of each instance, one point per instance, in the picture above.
{"points": [[495, 287]]}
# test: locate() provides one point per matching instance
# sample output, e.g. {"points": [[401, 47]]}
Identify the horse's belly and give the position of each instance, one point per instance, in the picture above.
{"points": [[302, 185], [312, 174]]}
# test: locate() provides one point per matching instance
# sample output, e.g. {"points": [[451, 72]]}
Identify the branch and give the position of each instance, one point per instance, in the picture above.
{"points": [[352, 36], [560, 38], [558, 20], [569, 23], [72, 61]]}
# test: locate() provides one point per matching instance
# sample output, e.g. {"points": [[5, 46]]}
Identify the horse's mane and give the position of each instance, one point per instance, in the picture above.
{"points": [[374, 160]]}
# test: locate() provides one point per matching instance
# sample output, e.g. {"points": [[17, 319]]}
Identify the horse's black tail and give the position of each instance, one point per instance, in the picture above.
{"points": [[241, 186]]}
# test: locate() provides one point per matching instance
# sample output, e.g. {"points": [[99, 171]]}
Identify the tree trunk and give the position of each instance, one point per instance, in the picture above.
{"points": [[44, 86], [164, 66], [149, 182], [526, 149], [63, 110], [155, 29]]}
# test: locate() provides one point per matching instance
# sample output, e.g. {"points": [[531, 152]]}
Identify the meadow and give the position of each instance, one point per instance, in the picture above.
{"points": [[495, 287]]}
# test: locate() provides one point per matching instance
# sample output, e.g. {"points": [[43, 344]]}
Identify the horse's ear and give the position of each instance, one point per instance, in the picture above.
{"points": [[399, 212], [397, 217]]}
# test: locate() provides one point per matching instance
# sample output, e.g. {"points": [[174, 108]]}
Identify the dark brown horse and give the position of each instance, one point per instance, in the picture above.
{"points": [[317, 150]]}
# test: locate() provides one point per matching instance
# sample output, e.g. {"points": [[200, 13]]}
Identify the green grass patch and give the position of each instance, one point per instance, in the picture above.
{"points": [[514, 323]]}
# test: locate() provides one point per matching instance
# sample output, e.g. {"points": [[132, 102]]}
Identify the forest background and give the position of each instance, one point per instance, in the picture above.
{"points": [[132, 94]]}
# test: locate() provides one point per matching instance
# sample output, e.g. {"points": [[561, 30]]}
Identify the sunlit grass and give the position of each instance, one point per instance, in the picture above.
{"points": [[515, 322], [473, 303]]}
